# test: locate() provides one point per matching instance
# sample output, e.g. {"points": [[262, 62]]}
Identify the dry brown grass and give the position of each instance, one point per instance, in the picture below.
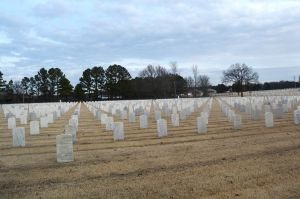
{"points": [[254, 162]]}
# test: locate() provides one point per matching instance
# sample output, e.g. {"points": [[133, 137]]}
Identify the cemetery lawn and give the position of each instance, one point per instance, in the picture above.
{"points": [[254, 162]]}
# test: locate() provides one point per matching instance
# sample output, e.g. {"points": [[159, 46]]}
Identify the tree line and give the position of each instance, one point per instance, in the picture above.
{"points": [[115, 82], [97, 83]]}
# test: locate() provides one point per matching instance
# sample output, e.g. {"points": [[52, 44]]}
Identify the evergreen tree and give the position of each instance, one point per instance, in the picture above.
{"points": [[65, 88], [114, 74], [2, 82]]}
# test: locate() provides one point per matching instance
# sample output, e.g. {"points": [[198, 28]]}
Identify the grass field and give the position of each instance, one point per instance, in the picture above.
{"points": [[254, 162]]}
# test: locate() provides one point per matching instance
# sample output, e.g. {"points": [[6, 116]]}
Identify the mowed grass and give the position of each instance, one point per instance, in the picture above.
{"points": [[254, 162]]}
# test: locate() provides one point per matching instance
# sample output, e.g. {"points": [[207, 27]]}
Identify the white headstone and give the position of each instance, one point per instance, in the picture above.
{"points": [[118, 131], [18, 136], [64, 148], [73, 122], [58, 114], [109, 125], [23, 119], [201, 125], [279, 112], [75, 118], [98, 115], [297, 116], [182, 115], [50, 118], [8, 115], [55, 115], [34, 127], [205, 116], [131, 117], [175, 119], [69, 129], [162, 128], [124, 115], [269, 119], [143, 121], [44, 122], [267, 108], [237, 122], [255, 115], [157, 115], [32, 116], [11, 122], [103, 118]]}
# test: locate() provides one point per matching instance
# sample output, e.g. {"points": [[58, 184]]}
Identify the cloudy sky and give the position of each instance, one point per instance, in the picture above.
{"points": [[77, 34]]}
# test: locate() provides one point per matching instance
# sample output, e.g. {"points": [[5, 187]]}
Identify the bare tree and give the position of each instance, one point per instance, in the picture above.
{"points": [[190, 82], [18, 88], [195, 74], [160, 71], [149, 71], [174, 70], [241, 75], [204, 84]]}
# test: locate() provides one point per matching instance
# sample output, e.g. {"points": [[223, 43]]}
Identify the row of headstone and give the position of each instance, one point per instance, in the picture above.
{"points": [[18, 133], [279, 92], [171, 110], [174, 112], [271, 107], [72, 127], [64, 142], [234, 118], [117, 128], [33, 112], [121, 108]]}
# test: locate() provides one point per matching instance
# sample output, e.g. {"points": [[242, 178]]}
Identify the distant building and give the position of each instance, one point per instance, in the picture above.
{"points": [[211, 92]]}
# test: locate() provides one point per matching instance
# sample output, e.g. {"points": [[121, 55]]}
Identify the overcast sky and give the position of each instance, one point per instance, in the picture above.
{"points": [[76, 34]]}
